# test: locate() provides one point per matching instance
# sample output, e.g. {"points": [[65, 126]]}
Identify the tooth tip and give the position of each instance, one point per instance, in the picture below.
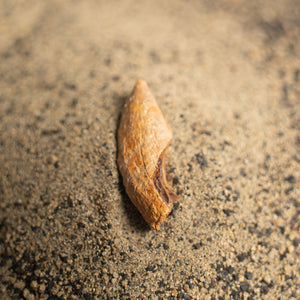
{"points": [[141, 84]]}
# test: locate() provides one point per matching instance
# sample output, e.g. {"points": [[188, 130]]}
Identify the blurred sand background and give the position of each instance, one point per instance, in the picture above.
{"points": [[226, 75]]}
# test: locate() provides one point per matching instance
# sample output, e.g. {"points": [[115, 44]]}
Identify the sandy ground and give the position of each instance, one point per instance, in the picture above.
{"points": [[226, 75]]}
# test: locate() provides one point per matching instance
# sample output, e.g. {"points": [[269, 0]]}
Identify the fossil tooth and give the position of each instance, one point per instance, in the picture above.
{"points": [[143, 137]]}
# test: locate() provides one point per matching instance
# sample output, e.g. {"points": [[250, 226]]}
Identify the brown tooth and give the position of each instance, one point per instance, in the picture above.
{"points": [[143, 137]]}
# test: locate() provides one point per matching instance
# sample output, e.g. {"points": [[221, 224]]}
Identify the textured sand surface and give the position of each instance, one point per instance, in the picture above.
{"points": [[226, 75]]}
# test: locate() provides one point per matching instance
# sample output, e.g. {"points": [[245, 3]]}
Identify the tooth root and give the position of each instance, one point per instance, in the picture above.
{"points": [[143, 137]]}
